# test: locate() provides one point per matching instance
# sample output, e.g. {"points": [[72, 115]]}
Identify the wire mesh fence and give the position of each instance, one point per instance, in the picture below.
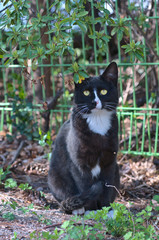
{"points": [[117, 31]]}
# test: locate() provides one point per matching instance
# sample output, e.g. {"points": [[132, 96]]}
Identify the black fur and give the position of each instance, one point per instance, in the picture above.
{"points": [[78, 150]]}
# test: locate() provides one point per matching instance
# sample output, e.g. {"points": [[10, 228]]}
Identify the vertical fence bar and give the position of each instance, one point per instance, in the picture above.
{"points": [[124, 130], [2, 119], [94, 40], [157, 134], [119, 124], [131, 128], [147, 95], [143, 133]]}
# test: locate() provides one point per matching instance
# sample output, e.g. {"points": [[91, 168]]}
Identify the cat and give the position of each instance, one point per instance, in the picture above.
{"points": [[83, 173]]}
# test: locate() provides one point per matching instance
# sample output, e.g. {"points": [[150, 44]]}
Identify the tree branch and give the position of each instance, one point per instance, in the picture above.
{"points": [[143, 34], [50, 105]]}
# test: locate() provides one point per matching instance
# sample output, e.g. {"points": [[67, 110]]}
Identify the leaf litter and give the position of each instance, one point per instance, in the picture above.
{"points": [[36, 210]]}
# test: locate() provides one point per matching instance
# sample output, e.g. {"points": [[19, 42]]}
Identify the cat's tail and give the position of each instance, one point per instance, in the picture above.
{"points": [[78, 201]]}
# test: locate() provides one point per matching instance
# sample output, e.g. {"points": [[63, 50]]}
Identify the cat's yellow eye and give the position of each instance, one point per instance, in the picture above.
{"points": [[86, 92], [103, 92]]}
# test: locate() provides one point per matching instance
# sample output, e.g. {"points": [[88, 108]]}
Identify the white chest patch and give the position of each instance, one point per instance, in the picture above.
{"points": [[96, 171], [99, 121]]}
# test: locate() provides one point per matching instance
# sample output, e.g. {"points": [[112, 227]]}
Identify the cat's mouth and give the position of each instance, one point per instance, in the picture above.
{"points": [[96, 105], [107, 106], [96, 110]]}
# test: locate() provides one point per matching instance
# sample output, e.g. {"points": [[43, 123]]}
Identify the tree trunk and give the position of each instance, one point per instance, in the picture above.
{"points": [[46, 71]]}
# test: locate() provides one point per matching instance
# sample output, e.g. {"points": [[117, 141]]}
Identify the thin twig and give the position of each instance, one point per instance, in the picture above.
{"points": [[17, 152], [53, 225], [148, 43], [50, 105], [112, 186]]}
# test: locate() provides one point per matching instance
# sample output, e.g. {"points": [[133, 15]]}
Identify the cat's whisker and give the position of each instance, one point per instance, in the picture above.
{"points": [[110, 106], [110, 109], [115, 103], [81, 110]]}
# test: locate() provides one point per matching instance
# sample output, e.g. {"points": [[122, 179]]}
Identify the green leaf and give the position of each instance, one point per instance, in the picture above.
{"points": [[5, 2], [106, 38], [9, 216], [67, 3], [76, 78], [83, 74], [124, 46], [51, 31], [47, 18], [66, 20], [82, 14], [92, 36], [128, 50], [82, 25], [25, 186], [120, 35], [65, 224], [114, 31], [71, 50], [127, 235], [148, 208], [106, 11], [139, 56], [75, 67], [10, 183], [13, 205], [8, 12], [156, 198], [139, 220]]}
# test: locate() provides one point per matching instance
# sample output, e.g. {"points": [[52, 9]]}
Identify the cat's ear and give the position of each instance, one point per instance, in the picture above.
{"points": [[111, 73], [81, 83], [77, 85]]}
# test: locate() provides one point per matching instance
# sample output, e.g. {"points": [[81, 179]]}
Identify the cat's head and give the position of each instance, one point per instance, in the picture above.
{"points": [[96, 93]]}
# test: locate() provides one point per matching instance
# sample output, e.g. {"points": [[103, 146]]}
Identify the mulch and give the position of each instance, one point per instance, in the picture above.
{"points": [[139, 183]]}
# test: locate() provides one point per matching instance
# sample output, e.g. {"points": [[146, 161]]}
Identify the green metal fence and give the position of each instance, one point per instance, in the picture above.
{"points": [[138, 111]]}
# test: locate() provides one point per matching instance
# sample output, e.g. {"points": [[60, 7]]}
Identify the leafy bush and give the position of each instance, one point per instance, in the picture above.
{"points": [[61, 21], [22, 117], [97, 225], [3, 174]]}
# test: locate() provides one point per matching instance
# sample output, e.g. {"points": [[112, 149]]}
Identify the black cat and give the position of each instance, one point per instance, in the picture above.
{"points": [[83, 172]]}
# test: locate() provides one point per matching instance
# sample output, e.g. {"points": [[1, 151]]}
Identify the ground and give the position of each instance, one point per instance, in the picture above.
{"points": [[24, 211]]}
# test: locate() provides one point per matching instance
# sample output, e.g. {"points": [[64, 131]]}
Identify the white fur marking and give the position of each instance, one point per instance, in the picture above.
{"points": [[96, 171], [99, 121], [79, 211], [97, 100]]}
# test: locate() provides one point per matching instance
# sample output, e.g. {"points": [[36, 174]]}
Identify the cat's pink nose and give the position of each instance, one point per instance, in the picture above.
{"points": [[98, 104]]}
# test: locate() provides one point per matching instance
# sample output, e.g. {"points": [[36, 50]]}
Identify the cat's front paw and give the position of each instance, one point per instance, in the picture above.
{"points": [[79, 211]]}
